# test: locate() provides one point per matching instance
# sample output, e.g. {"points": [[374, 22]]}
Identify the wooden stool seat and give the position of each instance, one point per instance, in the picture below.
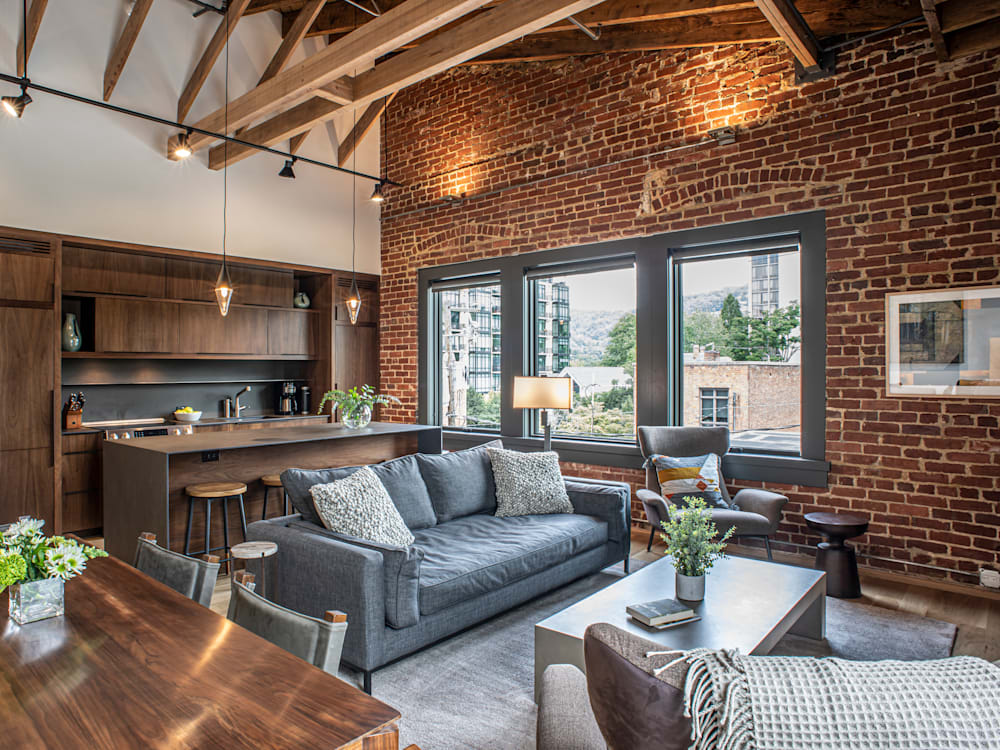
{"points": [[271, 480], [253, 550], [215, 489]]}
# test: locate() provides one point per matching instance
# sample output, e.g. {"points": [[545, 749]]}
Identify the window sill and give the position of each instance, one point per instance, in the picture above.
{"points": [[807, 472]]}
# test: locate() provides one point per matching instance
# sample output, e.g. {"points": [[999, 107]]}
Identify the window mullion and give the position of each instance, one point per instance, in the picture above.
{"points": [[513, 345]]}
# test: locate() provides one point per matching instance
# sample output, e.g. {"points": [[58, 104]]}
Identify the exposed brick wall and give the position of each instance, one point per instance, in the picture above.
{"points": [[902, 152]]}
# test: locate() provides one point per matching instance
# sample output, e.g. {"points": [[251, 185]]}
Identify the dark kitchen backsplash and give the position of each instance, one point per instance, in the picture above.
{"points": [[136, 389]]}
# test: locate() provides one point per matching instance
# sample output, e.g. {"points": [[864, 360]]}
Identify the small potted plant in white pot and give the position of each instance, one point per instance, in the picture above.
{"points": [[36, 566], [690, 535]]}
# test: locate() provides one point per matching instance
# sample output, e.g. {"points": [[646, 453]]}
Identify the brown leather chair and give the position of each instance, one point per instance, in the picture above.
{"points": [[759, 510]]}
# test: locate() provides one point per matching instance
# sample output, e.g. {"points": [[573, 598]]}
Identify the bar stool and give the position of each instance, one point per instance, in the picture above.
{"points": [[210, 492], [269, 481]]}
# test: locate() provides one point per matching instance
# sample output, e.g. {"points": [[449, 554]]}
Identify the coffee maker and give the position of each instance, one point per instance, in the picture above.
{"points": [[286, 399]]}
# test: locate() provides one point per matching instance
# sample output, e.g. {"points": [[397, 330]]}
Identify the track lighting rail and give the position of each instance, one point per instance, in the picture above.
{"points": [[27, 85]]}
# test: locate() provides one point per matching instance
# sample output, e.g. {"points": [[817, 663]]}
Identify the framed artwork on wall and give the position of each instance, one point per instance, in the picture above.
{"points": [[944, 342]]}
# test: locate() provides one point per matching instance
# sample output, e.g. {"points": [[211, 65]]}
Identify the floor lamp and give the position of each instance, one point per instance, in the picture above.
{"points": [[544, 394]]}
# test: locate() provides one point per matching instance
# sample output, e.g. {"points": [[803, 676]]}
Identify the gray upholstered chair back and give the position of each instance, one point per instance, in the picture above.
{"points": [[680, 441], [318, 642], [193, 577]]}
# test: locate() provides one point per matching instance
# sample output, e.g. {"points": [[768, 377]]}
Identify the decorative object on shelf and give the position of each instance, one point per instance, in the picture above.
{"points": [[71, 339], [35, 567], [301, 301], [690, 538], [544, 394], [944, 342], [356, 405], [223, 284], [73, 411]]}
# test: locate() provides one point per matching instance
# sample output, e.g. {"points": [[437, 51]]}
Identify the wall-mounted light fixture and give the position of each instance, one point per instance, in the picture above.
{"points": [[287, 171], [183, 148], [377, 195], [14, 105]]}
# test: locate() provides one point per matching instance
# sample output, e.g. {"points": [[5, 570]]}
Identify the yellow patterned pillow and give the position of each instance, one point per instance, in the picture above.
{"points": [[693, 476]]}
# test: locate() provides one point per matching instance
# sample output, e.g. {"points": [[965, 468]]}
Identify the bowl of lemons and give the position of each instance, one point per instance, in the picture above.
{"points": [[186, 414]]}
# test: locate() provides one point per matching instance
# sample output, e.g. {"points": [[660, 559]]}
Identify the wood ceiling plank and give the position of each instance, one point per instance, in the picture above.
{"points": [[364, 124], [34, 22], [961, 14], [208, 58], [394, 28], [122, 50], [974, 39], [785, 19], [934, 26]]}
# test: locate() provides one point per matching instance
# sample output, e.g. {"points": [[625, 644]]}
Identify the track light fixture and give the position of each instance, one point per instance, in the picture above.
{"points": [[183, 148], [287, 171], [377, 195], [14, 105]]}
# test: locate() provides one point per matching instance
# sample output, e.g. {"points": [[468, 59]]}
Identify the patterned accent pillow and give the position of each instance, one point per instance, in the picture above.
{"points": [[359, 506], [528, 484], [692, 476]]}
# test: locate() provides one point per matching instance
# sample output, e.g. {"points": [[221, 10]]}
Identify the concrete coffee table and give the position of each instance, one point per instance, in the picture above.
{"points": [[749, 605]]}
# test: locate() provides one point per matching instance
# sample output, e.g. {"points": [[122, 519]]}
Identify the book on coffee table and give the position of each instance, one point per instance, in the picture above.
{"points": [[659, 612]]}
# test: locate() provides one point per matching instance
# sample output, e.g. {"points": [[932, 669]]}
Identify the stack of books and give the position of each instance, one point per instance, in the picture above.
{"points": [[661, 614]]}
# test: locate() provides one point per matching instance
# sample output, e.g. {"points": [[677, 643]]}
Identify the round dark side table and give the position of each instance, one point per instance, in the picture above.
{"points": [[835, 557]]}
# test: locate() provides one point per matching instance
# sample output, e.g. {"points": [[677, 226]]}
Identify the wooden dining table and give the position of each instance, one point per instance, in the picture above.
{"points": [[133, 664]]}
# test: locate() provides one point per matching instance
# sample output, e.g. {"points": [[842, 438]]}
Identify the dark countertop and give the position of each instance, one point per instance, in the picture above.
{"points": [[202, 421], [220, 441]]}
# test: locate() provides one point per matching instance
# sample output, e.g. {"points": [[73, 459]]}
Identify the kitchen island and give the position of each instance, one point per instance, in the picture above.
{"points": [[144, 479]]}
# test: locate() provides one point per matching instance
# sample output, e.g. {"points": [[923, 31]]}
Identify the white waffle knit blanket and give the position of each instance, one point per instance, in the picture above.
{"points": [[739, 702]]}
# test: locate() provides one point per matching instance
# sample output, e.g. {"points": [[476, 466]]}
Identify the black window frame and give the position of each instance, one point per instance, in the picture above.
{"points": [[658, 339]]}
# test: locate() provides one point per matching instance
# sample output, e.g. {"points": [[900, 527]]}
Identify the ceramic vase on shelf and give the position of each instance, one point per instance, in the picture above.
{"points": [[71, 340], [37, 600], [356, 418], [301, 301], [689, 588]]}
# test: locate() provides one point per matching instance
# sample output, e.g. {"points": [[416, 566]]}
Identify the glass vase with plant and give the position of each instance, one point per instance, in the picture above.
{"points": [[36, 566], [694, 544], [356, 405]]}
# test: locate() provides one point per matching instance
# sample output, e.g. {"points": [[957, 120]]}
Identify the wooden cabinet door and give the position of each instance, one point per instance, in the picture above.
{"points": [[26, 277], [27, 368], [357, 356], [27, 485], [125, 325], [195, 280], [107, 272], [202, 330], [290, 332]]}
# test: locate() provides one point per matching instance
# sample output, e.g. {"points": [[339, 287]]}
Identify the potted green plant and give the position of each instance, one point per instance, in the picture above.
{"points": [[356, 405], [690, 535], [36, 567]]}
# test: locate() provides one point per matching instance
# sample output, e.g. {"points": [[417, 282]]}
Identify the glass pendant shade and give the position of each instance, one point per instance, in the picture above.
{"points": [[354, 302], [223, 290]]}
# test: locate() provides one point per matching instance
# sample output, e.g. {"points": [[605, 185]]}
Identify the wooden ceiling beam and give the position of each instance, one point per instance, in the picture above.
{"points": [[793, 30], [961, 14], [34, 22], [291, 41], [122, 50], [363, 126], [394, 28], [340, 91], [208, 58], [974, 39], [934, 26]]}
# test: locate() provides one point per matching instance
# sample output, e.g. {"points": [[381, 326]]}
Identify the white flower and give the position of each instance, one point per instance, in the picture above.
{"points": [[26, 528], [64, 561]]}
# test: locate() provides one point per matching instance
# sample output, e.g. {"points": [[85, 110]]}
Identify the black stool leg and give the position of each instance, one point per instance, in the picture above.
{"points": [[243, 518], [187, 534], [263, 515], [208, 527], [225, 534]]}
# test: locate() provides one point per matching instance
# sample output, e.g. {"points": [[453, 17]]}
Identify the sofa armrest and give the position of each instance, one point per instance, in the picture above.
{"points": [[655, 506], [565, 720], [316, 573], [767, 504], [608, 501]]}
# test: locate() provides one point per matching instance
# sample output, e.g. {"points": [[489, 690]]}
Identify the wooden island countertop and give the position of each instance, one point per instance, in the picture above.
{"points": [[145, 478]]}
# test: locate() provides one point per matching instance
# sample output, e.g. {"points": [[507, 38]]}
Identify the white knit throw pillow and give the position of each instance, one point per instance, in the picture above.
{"points": [[359, 506], [528, 483]]}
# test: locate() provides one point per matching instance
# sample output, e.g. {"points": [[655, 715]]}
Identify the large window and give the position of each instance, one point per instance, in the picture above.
{"points": [[468, 350], [585, 330]]}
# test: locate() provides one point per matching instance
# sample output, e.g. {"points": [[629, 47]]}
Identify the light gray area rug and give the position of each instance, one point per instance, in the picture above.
{"points": [[475, 691]]}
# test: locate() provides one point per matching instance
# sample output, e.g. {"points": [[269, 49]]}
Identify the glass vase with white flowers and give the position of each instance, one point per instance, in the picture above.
{"points": [[36, 566]]}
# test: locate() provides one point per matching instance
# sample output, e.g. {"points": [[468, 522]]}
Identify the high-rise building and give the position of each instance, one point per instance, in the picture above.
{"points": [[763, 284], [552, 335]]}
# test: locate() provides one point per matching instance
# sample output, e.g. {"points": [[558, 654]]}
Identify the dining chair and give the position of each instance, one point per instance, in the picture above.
{"points": [[191, 576], [318, 642]]}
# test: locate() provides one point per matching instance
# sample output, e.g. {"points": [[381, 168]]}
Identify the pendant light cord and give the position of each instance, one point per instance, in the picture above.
{"points": [[225, 147], [354, 187], [24, 47]]}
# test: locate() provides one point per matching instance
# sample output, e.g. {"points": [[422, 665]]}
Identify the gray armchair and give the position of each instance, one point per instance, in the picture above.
{"points": [[759, 510], [193, 577]]}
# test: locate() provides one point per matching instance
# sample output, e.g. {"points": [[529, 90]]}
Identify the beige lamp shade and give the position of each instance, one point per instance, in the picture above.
{"points": [[542, 393]]}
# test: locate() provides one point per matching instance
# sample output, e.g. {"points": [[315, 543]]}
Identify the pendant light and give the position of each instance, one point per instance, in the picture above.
{"points": [[14, 105], [223, 284], [354, 297], [378, 196]]}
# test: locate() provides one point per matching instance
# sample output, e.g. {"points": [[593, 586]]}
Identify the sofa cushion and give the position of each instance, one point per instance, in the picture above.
{"points": [[460, 483], [474, 555], [401, 478], [359, 506], [528, 483]]}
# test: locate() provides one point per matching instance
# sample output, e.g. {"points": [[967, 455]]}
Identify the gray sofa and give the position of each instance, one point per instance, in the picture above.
{"points": [[465, 565]]}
